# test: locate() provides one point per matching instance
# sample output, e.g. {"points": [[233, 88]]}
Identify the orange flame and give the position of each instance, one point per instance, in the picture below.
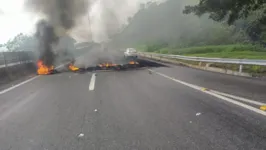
{"points": [[72, 67], [43, 69], [133, 63], [106, 65]]}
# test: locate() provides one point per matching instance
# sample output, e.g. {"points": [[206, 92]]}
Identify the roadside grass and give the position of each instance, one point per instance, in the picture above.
{"points": [[222, 51], [222, 48], [238, 51], [236, 54]]}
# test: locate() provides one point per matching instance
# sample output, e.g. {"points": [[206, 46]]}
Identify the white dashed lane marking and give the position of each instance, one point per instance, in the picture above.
{"points": [[92, 82]]}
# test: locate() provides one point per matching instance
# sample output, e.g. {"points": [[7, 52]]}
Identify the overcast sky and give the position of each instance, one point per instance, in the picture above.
{"points": [[14, 20]]}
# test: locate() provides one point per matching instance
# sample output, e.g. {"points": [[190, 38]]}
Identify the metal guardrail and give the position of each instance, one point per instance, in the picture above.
{"points": [[8, 59], [240, 62], [14, 64]]}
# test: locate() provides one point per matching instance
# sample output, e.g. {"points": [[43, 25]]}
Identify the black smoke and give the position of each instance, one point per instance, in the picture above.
{"points": [[63, 13], [58, 14], [47, 38]]}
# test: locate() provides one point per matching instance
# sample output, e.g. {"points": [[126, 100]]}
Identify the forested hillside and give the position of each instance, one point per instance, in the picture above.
{"points": [[165, 28]]}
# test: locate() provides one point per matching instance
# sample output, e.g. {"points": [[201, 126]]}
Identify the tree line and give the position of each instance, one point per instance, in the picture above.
{"points": [[187, 23], [21, 42]]}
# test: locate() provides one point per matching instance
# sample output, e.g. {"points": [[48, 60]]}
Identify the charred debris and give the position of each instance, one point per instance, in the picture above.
{"points": [[108, 66]]}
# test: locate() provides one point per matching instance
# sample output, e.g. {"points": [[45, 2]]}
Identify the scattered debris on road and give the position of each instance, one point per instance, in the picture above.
{"points": [[197, 114], [81, 135], [130, 65]]}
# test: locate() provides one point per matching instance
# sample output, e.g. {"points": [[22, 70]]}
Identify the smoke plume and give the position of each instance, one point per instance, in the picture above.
{"points": [[60, 13], [47, 38], [109, 17], [89, 20], [98, 20], [1, 12], [60, 17]]}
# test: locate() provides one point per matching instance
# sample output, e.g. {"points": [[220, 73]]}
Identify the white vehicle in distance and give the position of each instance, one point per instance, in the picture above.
{"points": [[130, 52]]}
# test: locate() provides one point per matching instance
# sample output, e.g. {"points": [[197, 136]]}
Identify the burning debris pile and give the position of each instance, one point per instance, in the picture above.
{"points": [[46, 38], [48, 42], [112, 66], [133, 63], [106, 66], [60, 18], [46, 70], [43, 69], [71, 67]]}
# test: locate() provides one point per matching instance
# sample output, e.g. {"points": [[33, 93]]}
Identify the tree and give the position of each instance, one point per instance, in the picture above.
{"points": [[229, 10], [246, 15], [21, 42], [157, 24]]}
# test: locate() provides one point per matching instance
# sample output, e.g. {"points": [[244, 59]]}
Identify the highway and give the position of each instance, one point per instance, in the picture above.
{"points": [[149, 108]]}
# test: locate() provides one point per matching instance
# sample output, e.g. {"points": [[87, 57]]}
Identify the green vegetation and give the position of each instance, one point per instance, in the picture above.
{"points": [[248, 15], [239, 55], [21, 42], [227, 10], [225, 29], [167, 26], [222, 51]]}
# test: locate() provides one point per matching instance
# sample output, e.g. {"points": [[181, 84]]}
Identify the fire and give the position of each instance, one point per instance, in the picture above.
{"points": [[107, 65], [72, 67], [133, 63], [43, 69]]}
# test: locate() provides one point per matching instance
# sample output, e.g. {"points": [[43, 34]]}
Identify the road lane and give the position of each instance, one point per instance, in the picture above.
{"points": [[142, 111], [252, 88], [229, 98], [126, 110], [52, 119], [17, 85], [134, 110]]}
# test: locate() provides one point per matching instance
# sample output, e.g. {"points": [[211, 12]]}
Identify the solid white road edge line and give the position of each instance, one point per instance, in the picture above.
{"points": [[92, 83], [15, 86], [24, 82], [239, 98], [213, 94]]}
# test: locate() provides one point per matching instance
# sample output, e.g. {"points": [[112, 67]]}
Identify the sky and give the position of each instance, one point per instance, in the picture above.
{"points": [[14, 19], [108, 17]]}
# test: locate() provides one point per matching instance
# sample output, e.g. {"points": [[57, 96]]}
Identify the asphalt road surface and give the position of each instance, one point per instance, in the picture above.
{"points": [[134, 109]]}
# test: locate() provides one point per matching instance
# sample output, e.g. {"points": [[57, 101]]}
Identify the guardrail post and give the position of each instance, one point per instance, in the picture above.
{"points": [[19, 58], [200, 63], [4, 59], [200, 60], [240, 68]]}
